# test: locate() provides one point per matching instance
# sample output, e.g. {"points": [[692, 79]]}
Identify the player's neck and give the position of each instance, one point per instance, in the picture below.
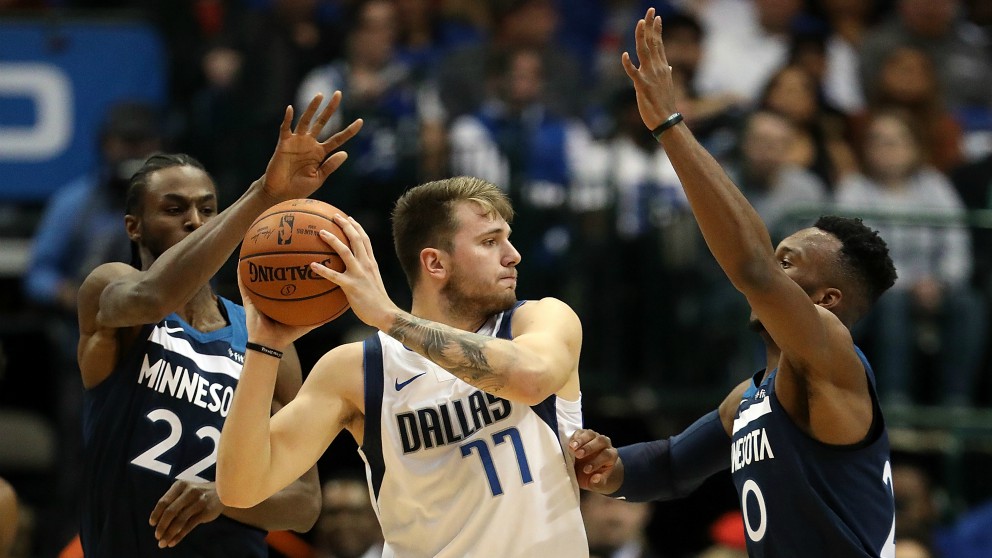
{"points": [[202, 311], [439, 310]]}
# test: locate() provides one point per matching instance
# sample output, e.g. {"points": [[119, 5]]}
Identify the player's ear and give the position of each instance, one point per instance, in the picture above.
{"points": [[131, 225], [434, 263], [829, 297]]}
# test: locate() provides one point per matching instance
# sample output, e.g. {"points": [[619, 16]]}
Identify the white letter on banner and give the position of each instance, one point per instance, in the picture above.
{"points": [[47, 86]]}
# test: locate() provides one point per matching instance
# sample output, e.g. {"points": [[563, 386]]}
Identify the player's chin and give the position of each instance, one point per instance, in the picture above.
{"points": [[506, 300]]}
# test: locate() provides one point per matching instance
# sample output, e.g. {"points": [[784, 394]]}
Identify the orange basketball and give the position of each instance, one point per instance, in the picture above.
{"points": [[275, 258]]}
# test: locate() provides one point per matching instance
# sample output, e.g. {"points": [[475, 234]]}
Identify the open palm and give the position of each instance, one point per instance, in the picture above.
{"points": [[301, 162]]}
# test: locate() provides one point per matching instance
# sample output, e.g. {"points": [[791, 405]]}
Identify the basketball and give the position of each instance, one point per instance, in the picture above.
{"points": [[274, 263]]}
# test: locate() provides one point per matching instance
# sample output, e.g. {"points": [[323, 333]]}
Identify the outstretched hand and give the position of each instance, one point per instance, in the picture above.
{"points": [[597, 464], [656, 97], [301, 162]]}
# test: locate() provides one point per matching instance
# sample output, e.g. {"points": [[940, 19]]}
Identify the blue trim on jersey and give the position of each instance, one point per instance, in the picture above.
{"points": [[374, 384], [505, 328]]}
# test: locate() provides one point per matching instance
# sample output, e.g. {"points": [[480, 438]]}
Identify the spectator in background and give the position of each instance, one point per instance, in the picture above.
{"points": [[818, 143], [778, 189], [516, 24], [932, 305], [616, 528], [974, 184], [958, 48], [727, 534], [907, 81], [426, 34], [636, 229], [250, 69], [82, 228], [8, 517], [916, 503], [913, 548], [402, 139], [348, 526], [849, 22], [745, 43], [712, 114], [519, 140]]}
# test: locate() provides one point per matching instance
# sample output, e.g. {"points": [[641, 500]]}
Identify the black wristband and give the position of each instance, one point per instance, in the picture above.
{"points": [[672, 120], [263, 349]]}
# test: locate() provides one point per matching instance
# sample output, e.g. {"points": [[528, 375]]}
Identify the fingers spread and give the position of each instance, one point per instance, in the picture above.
{"points": [[332, 163], [326, 114], [287, 120], [628, 66], [304, 123], [339, 138]]}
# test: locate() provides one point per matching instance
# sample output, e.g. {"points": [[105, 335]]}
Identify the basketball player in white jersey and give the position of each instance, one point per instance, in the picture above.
{"points": [[460, 407]]}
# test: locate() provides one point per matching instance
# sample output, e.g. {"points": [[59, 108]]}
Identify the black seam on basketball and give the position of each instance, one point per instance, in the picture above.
{"points": [[260, 295], [321, 215], [283, 253]]}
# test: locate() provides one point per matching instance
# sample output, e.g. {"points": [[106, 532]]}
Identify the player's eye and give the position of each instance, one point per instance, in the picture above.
{"points": [[786, 264], [173, 210], [208, 210]]}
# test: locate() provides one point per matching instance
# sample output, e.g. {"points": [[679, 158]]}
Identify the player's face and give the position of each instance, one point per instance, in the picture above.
{"points": [[178, 200], [483, 272], [802, 256]]}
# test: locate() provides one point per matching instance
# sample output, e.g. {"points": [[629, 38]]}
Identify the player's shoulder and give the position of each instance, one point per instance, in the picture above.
{"points": [[548, 306], [103, 275], [546, 315], [343, 360]]}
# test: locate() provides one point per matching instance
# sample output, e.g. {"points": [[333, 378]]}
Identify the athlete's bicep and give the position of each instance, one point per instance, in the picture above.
{"points": [[126, 300], [329, 401], [550, 331], [99, 345]]}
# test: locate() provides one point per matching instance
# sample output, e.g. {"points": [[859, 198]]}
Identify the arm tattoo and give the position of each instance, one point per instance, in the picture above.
{"points": [[460, 352]]}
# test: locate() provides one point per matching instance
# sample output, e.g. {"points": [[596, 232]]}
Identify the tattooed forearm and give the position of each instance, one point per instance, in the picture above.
{"points": [[460, 352]]}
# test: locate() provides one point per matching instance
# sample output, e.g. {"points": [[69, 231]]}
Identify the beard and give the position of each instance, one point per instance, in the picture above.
{"points": [[477, 302]]}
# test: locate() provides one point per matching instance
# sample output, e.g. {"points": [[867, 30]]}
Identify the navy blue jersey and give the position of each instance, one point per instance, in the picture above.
{"points": [[801, 497], [155, 419]]}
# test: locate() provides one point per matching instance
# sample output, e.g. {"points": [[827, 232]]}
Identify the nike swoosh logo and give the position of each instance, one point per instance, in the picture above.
{"points": [[400, 385], [172, 329]]}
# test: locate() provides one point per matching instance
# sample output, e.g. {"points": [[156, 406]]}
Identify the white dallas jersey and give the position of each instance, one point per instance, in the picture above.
{"points": [[456, 472]]}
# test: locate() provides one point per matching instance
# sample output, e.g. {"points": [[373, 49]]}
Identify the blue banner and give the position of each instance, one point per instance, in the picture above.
{"points": [[57, 81]]}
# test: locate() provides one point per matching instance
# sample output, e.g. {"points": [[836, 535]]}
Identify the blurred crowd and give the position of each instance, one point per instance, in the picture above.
{"points": [[880, 109]]}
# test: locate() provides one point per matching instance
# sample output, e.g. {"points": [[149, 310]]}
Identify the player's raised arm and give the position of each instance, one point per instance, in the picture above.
{"points": [[299, 165], [732, 228]]}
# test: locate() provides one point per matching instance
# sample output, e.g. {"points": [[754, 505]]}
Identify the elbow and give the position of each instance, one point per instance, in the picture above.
{"points": [[233, 498], [309, 513], [534, 387], [232, 495]]}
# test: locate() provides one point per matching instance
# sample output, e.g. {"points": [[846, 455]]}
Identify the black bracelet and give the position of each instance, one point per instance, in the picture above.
{"points": [[668, 123], [263, 349]]}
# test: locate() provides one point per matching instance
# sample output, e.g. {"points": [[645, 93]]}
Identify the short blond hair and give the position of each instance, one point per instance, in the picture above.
{"points": [[424, 216]]}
